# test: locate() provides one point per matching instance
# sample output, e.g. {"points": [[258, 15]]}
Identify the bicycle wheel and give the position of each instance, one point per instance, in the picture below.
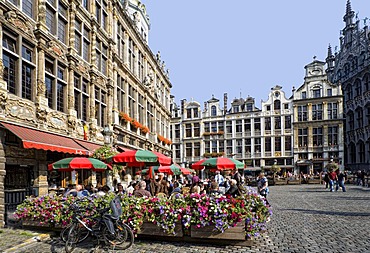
{"points": [[72, 238], [121, 239], [83, 233]]}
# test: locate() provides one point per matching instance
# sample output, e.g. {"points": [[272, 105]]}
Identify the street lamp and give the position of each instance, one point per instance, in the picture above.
{"points": [[107, 133]]}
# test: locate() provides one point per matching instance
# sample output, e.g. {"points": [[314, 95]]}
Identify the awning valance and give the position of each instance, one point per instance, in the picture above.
{"points": [[33, 138]]}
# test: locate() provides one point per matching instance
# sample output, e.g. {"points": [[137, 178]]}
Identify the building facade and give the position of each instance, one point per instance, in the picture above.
{"points": [[243, 132], [68, 70], [349, 67], [317, 121]]}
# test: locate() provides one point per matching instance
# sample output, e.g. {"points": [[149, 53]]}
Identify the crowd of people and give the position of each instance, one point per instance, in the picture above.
{"points": [[226, 183]]}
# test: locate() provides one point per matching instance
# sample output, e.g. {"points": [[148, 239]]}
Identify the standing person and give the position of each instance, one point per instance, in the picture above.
{"points": [[340, 182], [195, 179], [262, 185], [332, 179], [237, 177], [219, 178]]}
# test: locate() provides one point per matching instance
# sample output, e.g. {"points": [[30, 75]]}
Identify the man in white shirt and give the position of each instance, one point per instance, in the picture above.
{"points": [[219, 178]]}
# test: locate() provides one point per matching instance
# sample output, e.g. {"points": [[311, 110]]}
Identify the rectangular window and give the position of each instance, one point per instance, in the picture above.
{"points": [[229, 125], [238, 126], [9, 62], [248, 145], [302, 113], [257, 124], [316, 93], [332, 110], [26, 81], [196, 149], [27, 7], [288, 122], [267, 123], [268, 144], [50, 20], [188, 130], [257, 144], [317, 112], [302, 137], [85, 4], [333, 135], [303, 95], [288, 143], [247, 125], [317, 136], [277, 123], [277, 143], [206, 127], [189, 150], [329, 92]]}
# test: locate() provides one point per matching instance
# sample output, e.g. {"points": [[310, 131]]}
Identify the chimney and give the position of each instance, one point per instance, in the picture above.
{"points": [[225, 103], [183, 101]]}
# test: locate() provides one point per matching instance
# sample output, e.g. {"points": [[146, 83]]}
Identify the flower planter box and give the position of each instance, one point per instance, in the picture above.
{"points": [[280, 181], [37, 224], [314, 181], [296, 181], [234, 233], [148, 228]]}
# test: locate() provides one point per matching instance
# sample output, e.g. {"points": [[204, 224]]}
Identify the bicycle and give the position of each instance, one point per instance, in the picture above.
{"points": [[107, 228]]}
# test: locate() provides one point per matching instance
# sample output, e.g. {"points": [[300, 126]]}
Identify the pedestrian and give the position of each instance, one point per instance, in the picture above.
{"points": [[342, 176], [219, 178], [262, 186], [237, 177], [332, 179]]}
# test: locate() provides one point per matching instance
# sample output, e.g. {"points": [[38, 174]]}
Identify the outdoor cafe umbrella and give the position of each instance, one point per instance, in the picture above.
{"points": [[140, 158], [220, 163], [75, 163]]}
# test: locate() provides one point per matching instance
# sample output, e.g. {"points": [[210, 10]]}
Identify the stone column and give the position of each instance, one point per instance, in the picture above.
{"points": [[115, 110], [125, 49], [136, 65], [41, 180]]}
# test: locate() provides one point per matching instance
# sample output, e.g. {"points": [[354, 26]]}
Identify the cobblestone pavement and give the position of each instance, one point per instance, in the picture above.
{"points": [[306, 218]]}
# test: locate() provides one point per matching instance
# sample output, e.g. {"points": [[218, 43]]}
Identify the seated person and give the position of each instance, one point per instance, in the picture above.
{"points": [[214, 190]]}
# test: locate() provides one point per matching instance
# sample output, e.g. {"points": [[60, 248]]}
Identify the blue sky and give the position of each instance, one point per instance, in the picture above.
{"points": [[243, 47]]}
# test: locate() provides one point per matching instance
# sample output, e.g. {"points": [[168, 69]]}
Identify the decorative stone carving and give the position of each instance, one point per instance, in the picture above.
{"points": [[57, 120], [19, 109], [3, 98], [54, 48], [82, 69], [72, 122], [41, 114], [41, 88], [20, 22], [93, 130], [101, 81]]}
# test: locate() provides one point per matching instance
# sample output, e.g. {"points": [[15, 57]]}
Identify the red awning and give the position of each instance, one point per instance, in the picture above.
{"points": [[32, 138], [88, 145]]}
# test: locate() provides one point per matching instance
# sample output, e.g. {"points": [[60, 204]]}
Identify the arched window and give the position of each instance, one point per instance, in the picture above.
{"points": [[366, 82], [213, 110], [277, 105], [358, 88]]}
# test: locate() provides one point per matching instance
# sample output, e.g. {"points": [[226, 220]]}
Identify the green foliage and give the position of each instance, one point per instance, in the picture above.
{"points": [[104, 152]]}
